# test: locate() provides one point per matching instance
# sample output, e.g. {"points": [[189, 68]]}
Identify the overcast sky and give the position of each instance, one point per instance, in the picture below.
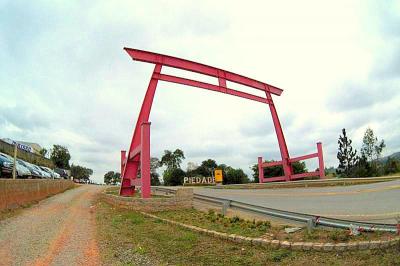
{"points": [[65, 78]]}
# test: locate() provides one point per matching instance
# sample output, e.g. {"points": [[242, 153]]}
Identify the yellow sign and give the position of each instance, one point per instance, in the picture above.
{"points": [[218, 175]]}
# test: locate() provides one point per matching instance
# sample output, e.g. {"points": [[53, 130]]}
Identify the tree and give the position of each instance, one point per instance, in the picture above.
{"points": [[254, 168], [371, 150], [346, 155], [298, 168], [154, 165], [199, 171], [60, 156], [155, 179], [371, 147], [206, 169], [234, 176], [191, 166], [43, 152], [172, 160], [362, 168], [112, 178], [209, 166], [80, 172], [108, 177], [173, 177], [392, 166]]}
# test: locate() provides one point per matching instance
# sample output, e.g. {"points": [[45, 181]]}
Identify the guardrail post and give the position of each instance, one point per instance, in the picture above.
{"points": [[311, 224], [225, 205]]}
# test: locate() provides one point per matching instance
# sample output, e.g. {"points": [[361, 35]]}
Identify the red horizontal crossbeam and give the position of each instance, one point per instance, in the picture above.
{"points": [[208, 86], [292, 160], [302, 175], [270, 164], [304, 157], [170, 61], [275, 178]]}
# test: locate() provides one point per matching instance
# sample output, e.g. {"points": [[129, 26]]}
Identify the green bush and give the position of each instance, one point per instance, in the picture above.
{"points": [[235, 219], [173, 177], [279, 255], [338, 235]]}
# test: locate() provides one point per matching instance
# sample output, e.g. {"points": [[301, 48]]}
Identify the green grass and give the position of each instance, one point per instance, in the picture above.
{"points": [[218, 222], [5, 214], [126, 238], [251, 228]]}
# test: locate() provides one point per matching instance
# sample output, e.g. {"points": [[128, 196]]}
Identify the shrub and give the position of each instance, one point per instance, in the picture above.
{"points": [[338, 235], [211, 212], [279, 255], [173, 177], [235, 219]]}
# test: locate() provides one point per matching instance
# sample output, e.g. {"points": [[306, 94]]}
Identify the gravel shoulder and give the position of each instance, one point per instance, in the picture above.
{"points": [[58, 231]]}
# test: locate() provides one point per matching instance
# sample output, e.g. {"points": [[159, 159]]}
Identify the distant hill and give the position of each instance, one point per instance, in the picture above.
{"points": [[395, 155]]}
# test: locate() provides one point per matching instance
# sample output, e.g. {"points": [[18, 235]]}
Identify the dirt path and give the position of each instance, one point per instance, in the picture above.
{"points": [[58, 231]]}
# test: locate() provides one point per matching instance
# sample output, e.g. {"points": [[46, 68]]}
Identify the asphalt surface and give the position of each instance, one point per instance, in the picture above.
{"points": [[377, 202], [58, 231]]}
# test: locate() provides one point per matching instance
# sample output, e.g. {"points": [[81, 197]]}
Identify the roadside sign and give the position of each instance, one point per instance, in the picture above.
{"points": [[218, 175]]}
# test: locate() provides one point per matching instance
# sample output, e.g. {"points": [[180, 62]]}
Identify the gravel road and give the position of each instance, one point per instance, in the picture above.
{"points": [[58, 231]]}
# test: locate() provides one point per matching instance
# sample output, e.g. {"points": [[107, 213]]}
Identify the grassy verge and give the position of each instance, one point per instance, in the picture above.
{"points": [[129, 238], [263, 229], [5, 214]]}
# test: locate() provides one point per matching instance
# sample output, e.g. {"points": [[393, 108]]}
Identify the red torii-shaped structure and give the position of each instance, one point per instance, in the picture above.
{"points": [[139, 150]]}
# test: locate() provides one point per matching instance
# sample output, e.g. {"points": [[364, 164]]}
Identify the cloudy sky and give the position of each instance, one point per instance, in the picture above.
{"points": [[65, 78]]}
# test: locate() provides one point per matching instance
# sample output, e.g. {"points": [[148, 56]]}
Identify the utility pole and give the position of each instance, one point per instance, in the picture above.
{"points": [[15, 162]]}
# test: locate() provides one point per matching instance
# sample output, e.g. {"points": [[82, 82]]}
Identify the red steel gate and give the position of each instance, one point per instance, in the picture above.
{"points": [[138, 154]]}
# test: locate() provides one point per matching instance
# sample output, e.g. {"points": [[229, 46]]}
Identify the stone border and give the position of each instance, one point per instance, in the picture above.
{"points": [[183, 199], [324, 247]]}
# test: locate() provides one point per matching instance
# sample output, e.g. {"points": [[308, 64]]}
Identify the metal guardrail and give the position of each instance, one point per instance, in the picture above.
{"points": [[312, 182], [310, 220]]}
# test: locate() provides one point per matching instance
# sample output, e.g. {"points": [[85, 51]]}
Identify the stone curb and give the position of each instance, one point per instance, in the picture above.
{"points": [[305, 246], [182, 200]]}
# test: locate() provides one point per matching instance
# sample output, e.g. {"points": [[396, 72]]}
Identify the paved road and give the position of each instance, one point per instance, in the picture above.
{"points": [[58, 231], [378, 202]]}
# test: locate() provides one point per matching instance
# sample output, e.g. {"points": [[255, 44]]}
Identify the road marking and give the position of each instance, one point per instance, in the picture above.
{"points": [[302, 194], [377, 216]]}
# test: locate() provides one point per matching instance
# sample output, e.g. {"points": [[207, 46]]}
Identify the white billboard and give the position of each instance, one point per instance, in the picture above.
{"points": [[19, 145]]}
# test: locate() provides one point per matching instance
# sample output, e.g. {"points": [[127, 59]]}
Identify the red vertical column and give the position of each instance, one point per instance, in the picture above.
{"points": [[130, 169], [287, 168], [260, 170], [320, 160], [145, 160]]}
